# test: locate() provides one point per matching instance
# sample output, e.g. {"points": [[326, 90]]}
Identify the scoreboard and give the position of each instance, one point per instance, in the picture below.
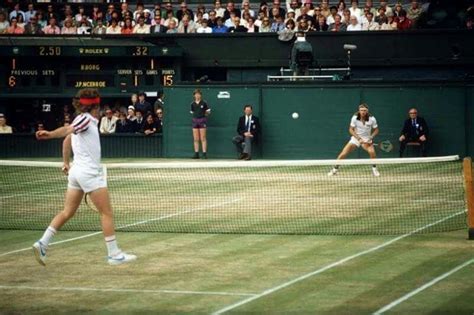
{"points": [[118, 68], [27, 73]]}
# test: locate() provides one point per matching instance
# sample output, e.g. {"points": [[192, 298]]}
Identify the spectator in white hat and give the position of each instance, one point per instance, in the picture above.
{"points": [[131, 113]]}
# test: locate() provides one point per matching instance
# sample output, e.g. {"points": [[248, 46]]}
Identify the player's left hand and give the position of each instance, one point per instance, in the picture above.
{"points": [[423, 138]]}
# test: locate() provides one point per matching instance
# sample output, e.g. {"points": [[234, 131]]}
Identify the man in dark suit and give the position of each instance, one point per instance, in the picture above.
{"points": [[139, 123], [158, 28], [414, 129], [143, 106], [248, 129]]}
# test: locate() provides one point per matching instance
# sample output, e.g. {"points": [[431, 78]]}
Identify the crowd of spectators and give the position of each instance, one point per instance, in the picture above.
{"points": [[139, 117], [245, 17]]}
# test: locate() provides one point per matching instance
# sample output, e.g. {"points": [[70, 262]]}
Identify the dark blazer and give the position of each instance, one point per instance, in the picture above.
{"points": [[126, 127], [254, 127], [319, 28], [414, 132], [162, 29], [239, 29], [139, 126], [145, 108], [153, 125]]}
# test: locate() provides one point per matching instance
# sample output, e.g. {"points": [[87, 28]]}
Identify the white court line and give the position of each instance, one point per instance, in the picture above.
{"points": [[131, 224], [82, 289], [330, 266], [423, 287]]}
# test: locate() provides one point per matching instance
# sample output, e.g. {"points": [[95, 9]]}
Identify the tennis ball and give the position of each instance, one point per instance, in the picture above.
{"points": [[295, 115]]}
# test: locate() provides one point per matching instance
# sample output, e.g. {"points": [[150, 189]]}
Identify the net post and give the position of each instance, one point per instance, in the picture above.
{"points": [[467, 166]]}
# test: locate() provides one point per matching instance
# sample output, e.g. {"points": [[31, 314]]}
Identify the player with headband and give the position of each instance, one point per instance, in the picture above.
{"points": [[85, 176], [363, 128]]}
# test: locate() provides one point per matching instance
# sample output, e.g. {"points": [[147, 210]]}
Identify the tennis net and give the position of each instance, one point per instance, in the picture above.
{"points": [[272, 197]]}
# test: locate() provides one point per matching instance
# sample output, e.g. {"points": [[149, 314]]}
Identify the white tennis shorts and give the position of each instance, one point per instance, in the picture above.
{"points": [[356, 142], [86, 179]]}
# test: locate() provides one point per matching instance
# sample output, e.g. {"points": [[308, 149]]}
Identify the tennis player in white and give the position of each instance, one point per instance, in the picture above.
{"points": [[85, 176], [363, 128]]}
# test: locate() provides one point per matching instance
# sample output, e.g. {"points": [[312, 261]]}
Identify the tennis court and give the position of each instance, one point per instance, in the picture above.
{"points": [[265, 239]]}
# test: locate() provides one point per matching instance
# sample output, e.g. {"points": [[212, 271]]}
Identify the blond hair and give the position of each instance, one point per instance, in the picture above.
{"points": [[357, 114]]}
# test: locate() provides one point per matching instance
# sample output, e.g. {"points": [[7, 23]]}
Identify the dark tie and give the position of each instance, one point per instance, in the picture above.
{"points": [[247, 124]]}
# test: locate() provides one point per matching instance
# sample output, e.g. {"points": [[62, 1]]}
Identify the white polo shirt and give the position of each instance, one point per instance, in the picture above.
{"points": [[86, 142], [362, 129]]}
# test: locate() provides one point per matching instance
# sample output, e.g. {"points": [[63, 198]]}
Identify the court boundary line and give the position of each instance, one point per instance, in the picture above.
{"points": [[123, 290], [129, 225], [422, 288], [330, 266]]}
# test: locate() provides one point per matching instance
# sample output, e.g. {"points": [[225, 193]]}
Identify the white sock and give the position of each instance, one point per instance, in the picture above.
{"points": [[112, 246], [48, 235]]}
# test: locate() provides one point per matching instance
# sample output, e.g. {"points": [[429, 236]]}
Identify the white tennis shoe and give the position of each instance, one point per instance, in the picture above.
{"points": [[121, 258], [375, 172], [40, 252], [332, 172]]}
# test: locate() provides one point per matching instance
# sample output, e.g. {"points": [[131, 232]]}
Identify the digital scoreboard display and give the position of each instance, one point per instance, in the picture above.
{"points": [[54, 70]]}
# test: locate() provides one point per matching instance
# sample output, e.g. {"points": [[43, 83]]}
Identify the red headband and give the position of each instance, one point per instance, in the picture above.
{"points": [[89, 101]]}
